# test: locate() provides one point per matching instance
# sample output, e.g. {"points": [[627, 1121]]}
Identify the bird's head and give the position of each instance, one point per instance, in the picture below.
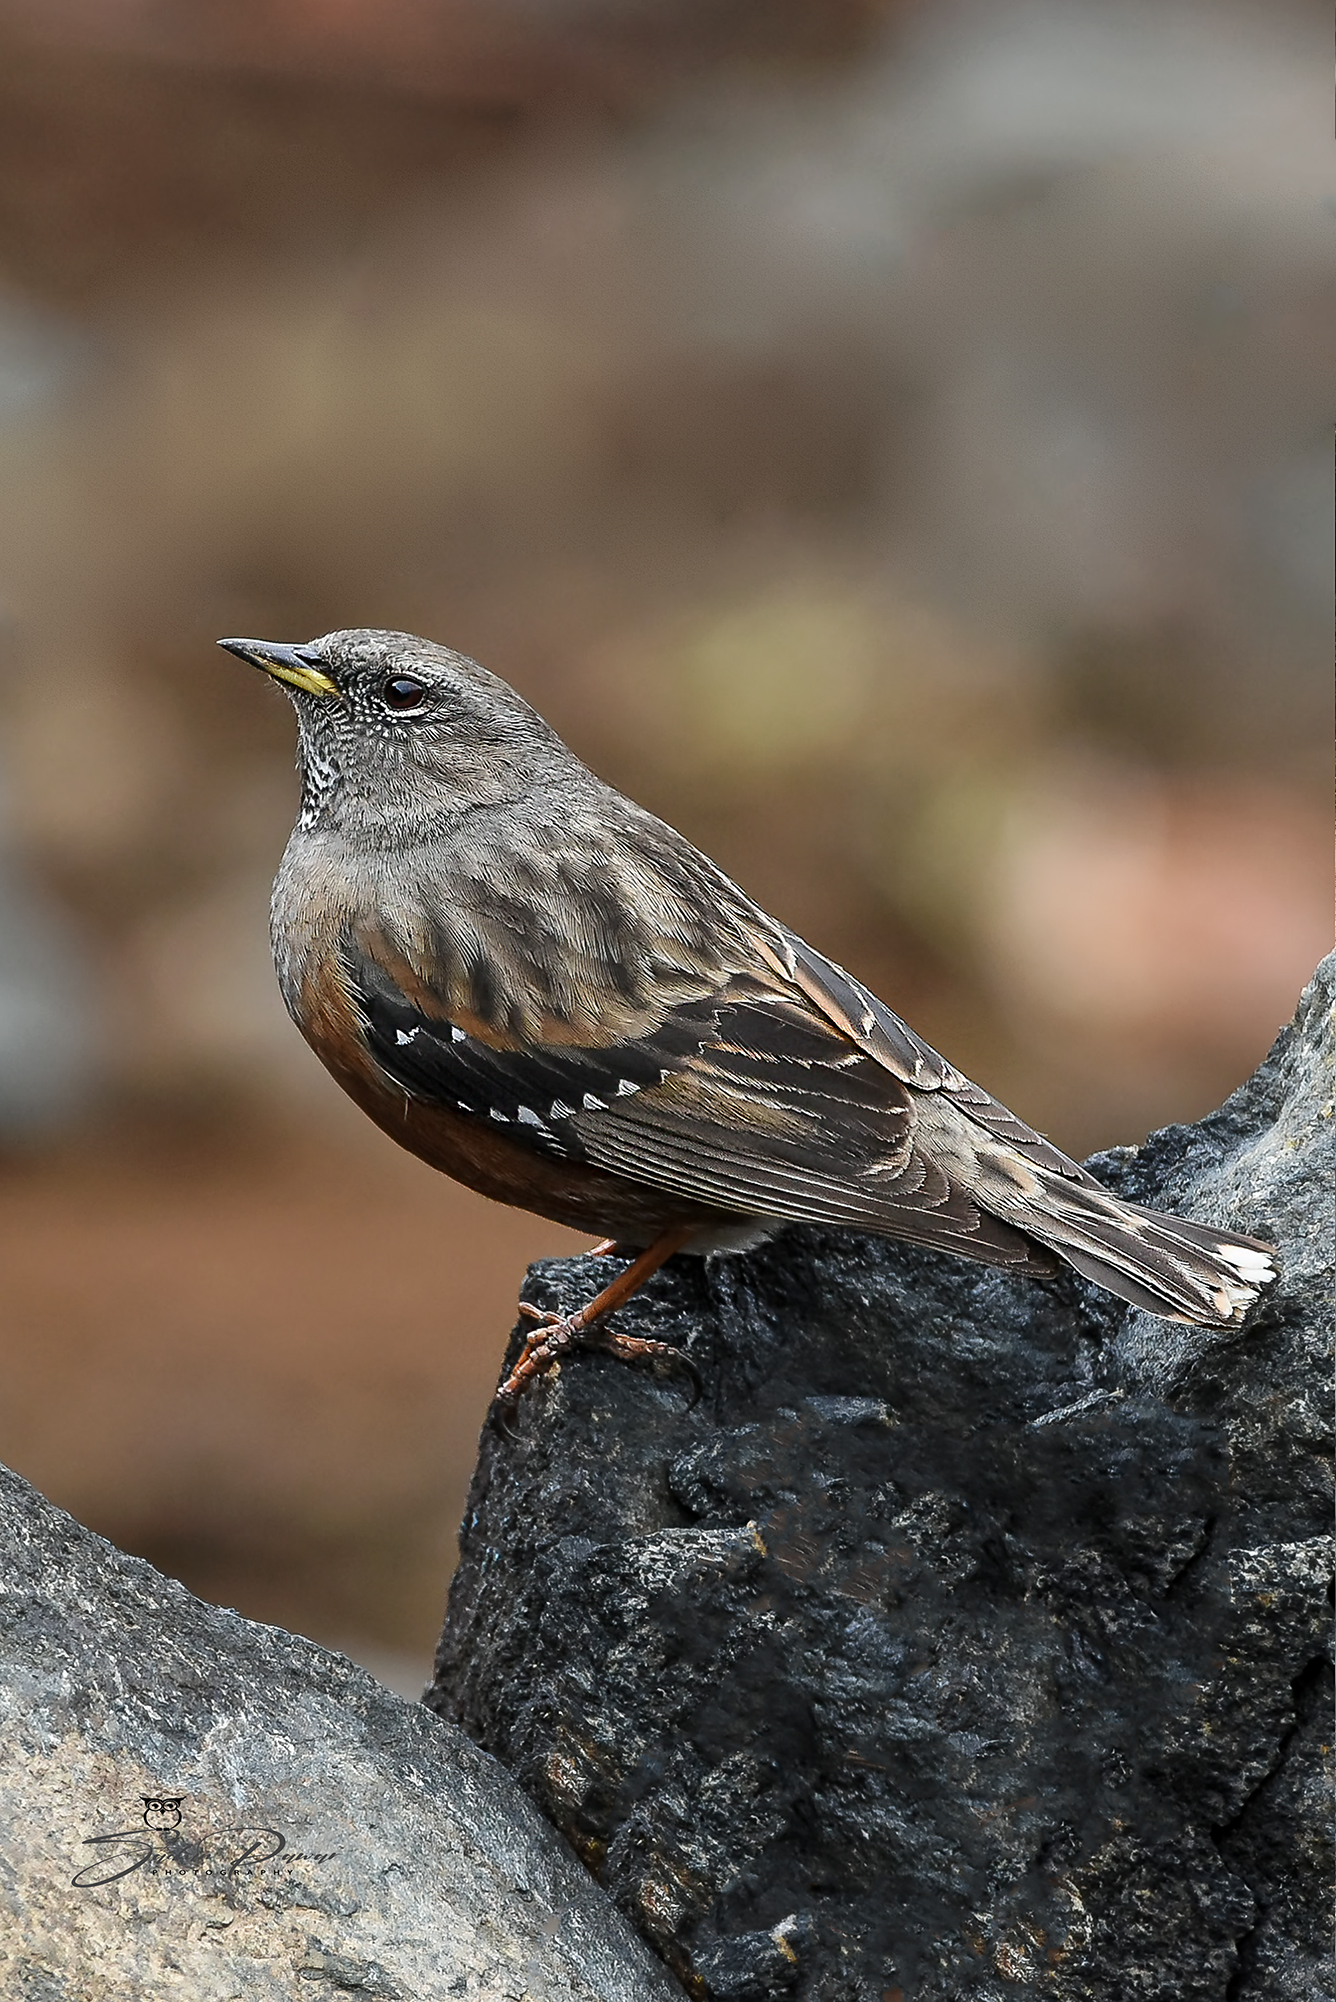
{"points": [[396, 728]]}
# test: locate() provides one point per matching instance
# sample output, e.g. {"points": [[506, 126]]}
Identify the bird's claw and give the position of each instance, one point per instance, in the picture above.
{"points": [[555, 1335]]}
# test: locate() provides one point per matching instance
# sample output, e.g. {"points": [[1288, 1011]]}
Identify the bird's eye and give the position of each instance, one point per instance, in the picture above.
{"points": [[403, 691]]}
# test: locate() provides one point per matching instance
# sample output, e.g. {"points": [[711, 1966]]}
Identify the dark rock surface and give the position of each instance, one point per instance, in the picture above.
{"points": [[198, 1807], [970, 1637]]}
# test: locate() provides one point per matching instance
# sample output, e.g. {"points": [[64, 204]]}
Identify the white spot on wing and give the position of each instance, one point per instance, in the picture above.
{"points": [[457, 1035], [527, 1118], [504, 1117], [592, 1104], [625, 1087], [404, 1035], [560, 1110]]}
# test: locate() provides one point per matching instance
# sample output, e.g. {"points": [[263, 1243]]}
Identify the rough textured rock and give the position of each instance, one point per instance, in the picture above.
{"points": [[969, 1638], [197, 1807]]}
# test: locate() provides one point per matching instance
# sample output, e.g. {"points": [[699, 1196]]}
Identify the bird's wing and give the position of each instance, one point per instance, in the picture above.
{"points": [[779, 1113], [748, 1098], [443, 1055], [872, 1026]]}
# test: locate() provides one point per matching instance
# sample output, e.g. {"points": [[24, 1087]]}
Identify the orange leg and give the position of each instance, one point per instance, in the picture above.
{"points": [[557, 1334]]}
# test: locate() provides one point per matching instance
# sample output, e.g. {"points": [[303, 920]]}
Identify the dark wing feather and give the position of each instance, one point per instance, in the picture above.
{"points": [[535, 1092], [870, 1024], [780, 1114]]}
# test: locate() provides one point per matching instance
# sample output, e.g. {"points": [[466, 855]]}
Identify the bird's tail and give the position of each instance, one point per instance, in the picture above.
{"points": [[1184, 1271]]}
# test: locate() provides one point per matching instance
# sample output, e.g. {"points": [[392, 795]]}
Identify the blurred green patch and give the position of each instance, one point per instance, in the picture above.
{"points": [[787, 678]]}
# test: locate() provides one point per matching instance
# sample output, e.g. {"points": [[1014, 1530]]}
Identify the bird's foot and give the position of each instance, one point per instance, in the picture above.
{"points": [[556, 1335]]}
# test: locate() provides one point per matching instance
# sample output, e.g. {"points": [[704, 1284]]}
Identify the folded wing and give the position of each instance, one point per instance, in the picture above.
{"points": [[750, 1099]]}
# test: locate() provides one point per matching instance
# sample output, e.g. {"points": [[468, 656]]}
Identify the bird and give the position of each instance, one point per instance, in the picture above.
{"points": [[544, 991]]}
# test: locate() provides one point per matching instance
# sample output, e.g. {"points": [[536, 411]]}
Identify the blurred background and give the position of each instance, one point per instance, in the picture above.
{"points": [[889, 439]]}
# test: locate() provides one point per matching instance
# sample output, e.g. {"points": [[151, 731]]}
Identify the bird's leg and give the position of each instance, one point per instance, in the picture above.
{"points": [[557, 1334]]}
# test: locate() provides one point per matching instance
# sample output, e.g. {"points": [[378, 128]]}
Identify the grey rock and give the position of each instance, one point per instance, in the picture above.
{"points": [[969, 1637], [196, 1806]]}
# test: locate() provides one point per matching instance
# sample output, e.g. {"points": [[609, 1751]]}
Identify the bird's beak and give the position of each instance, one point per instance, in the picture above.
{"points": [[293, 664]]}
